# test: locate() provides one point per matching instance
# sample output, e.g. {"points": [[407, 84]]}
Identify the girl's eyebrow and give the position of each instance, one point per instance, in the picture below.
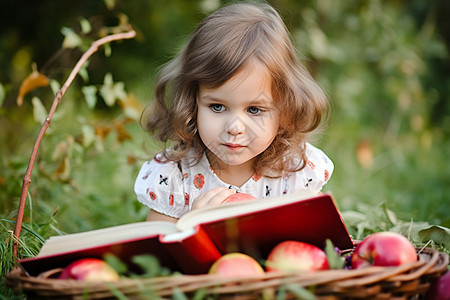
{"points": [[209, 98], [262, 101], [258, 101]]}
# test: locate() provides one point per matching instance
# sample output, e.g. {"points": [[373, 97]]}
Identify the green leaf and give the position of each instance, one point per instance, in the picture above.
{"points": [[116, 292], [410, 229], [115, 263], [200, 294], [389, 214], [335, 261], [2, 94], [111, 91], [300, 292], [110, 4], [210, 5], [85, 26], [319, 43], [178, 295], [84, 72], [71, 39], [149, 264], [88, 135], [439, 234], [353, 218], [39, 111], [281, 294], [107, 49], [55, 86], [90, 94]]}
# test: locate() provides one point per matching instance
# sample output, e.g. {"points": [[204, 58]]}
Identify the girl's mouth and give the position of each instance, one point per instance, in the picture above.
{"points": [[233, 146]]}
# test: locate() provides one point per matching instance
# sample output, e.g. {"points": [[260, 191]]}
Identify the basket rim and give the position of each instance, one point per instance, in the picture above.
{"points": [[432, 263]]}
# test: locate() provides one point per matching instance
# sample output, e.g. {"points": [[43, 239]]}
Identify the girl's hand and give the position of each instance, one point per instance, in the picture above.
{"points": [[213, 197]]}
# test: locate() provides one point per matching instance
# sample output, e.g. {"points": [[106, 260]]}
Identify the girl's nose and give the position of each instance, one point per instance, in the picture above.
{"points": [[235, 126]]}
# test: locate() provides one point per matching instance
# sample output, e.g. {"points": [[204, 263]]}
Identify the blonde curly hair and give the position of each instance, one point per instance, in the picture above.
{"points": [[219, 47]]}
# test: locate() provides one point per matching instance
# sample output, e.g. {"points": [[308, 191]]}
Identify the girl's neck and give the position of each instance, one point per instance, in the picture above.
{"points": [[235, 175]]}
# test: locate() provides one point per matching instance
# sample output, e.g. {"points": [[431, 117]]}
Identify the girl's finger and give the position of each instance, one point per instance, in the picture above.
{"points": [[213, 197], [220, 197]]}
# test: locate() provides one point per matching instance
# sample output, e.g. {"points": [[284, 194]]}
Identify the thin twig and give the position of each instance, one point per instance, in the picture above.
{"points": [[27, 178]]}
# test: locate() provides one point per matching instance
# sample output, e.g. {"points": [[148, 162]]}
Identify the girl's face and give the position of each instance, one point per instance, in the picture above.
{"points": [[238, 120]]}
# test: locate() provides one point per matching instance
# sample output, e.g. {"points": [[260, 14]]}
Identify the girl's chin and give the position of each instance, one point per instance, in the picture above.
{"points": [[223, 160], [234, 162]]}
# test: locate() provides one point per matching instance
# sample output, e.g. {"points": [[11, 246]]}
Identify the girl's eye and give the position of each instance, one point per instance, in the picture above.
{"points": [[254, 110], [217, 107]]}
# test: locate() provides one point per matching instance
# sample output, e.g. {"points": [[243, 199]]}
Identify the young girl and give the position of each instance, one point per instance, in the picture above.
{"points": [[236, 107]]}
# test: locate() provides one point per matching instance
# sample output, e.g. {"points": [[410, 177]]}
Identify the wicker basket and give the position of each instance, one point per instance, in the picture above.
{"points": [[408, 281]]}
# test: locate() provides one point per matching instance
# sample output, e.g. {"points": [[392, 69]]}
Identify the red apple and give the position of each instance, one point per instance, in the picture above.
{"points": [[440, 288], [89, 269], [239, 197], [296, 256], [383, 249], [236, 265]]}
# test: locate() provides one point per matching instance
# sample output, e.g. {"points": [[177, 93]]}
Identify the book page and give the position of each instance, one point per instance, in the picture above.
{"points": [[99, 237], [178, 236], [228, 210]]}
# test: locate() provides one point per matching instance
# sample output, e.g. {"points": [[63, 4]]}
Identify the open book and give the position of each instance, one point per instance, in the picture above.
{"points": [[201, 236]]}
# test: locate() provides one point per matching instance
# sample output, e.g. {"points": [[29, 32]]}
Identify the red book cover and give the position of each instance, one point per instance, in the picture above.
{"points": [[312, 220], [124, 250], [195, 254]]}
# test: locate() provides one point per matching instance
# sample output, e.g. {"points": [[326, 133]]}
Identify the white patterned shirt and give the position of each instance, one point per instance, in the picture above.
{"points": [[170, 188]]}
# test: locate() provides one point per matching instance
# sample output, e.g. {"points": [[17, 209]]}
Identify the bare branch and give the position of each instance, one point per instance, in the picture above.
{"points": [[27, 178]]}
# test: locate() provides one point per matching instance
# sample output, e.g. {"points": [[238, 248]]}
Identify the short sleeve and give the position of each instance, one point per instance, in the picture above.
{"points": [[159, 186], [318, 169], [315, 174]]}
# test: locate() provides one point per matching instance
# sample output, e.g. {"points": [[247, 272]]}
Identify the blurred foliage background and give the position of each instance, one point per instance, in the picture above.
{"points": [[384, 64]]}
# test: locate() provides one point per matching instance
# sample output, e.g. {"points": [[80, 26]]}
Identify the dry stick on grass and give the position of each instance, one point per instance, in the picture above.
{"points": [[27, 178]]}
